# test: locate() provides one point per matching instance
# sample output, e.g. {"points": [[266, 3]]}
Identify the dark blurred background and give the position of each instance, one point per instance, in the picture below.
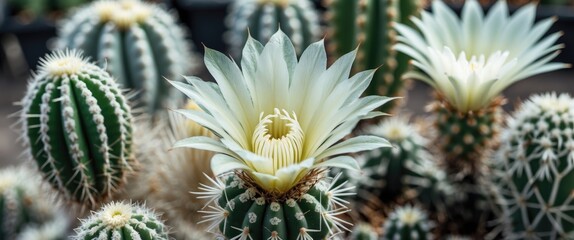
{"points": [[26, 35]]}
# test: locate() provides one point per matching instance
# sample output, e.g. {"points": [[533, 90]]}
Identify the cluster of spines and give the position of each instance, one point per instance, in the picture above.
{"points": [[241, 211], [536, 163], [77, 125], [139, 51], [27, 210], [122, 221], [260, 19], [407, 223]]}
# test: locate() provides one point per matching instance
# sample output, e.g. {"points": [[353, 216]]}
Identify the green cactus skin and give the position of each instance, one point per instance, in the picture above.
{"points": [[372, 29], [385, 169], [363, 231], [535, 168], [139, 44], [26, 207], [242, 212], [407, 223], [77, 125], [430, 186], [261, 18], [122, 221]]}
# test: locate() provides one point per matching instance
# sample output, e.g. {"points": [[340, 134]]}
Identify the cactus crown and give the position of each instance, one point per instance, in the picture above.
{"points": [[123, 13], [67, 62]]}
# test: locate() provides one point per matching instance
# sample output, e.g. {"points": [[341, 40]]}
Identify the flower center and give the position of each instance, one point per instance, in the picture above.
{"points": [[116, 215], [123, 13], [278, 136], [410, 217]]}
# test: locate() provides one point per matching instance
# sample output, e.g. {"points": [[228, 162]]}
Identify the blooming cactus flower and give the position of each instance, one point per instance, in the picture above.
{"points": [[471, 59], [279, 118]]}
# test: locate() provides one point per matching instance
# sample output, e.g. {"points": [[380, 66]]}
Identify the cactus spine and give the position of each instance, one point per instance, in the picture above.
{"points": [[244, 212], [261, 18], [78, 128], [122, 221], [536, 168], [27, 209], [139, 45], [407, 223], [368, 22]]}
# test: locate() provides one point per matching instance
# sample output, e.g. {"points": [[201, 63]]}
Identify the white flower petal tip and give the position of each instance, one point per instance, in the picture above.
{"points": [[279, 117], [472, 59]]}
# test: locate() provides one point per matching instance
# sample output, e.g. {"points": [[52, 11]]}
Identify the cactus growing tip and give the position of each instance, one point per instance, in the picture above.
{"points": [[60, 63]]}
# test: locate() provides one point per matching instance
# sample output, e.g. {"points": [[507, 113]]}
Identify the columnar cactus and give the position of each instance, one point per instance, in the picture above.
{"points": [[261, 18], [407, 223], [244, 212], [27, 209], [122, 221], [77, 125], [536, 168], [368, 22], [386, 168], [139, 44]]}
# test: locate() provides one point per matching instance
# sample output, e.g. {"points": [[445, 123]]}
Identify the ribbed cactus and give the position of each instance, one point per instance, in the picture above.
{"points": [[363, 231], [536, 168], [261, 18], [122, 221], [428, 186], [368, 22], [386, 168], [139, 44], [241, 211], [407, 223], [27, 209], [77, 125]]}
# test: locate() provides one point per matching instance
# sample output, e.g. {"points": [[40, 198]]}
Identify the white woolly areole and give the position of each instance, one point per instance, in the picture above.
{"points": [[68, 62], [116, 215], [123, 13]]}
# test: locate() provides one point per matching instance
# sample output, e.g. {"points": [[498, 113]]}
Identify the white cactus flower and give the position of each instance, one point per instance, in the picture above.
{"points": [[278, 118], [472, 59]]}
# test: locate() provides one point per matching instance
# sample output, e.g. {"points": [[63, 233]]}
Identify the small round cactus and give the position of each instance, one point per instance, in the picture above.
{"points": [[139, 44], [386, 168], [77, 125], [363, 231], [536, 162], [27, 209], [122, 221], [242, 211], [261, 18], [407, 223]]}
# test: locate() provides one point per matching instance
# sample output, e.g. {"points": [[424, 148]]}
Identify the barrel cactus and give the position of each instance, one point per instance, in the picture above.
{"points": [[406, 223], [138, 43], [122, 221], [386, 169], [27, 210], [261, 18], [77, 125], [369, 23], [535, 162]]}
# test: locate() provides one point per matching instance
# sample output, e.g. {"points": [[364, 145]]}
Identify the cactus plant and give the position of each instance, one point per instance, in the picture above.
{"points": [[363, 231], [406, 223], [368, 22], [535, 168], [429, 186], [27, 209], [261, 18], [122, 221], [138, 43], [77, 125], [244, 212], [386, 169]]}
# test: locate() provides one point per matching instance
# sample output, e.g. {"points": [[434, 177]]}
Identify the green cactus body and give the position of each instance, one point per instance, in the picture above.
{"points": [[363, 231], [78, 128], [244, 213], [535, 168], [430, 186], [386, 168], [122, 221], [464, 138], [368, 22], [407, 223], [26, 207], [261, 18], [139, 44]]}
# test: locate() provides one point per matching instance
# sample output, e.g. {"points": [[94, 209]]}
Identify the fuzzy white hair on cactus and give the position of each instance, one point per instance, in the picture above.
{"points": [[482, 55]]}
